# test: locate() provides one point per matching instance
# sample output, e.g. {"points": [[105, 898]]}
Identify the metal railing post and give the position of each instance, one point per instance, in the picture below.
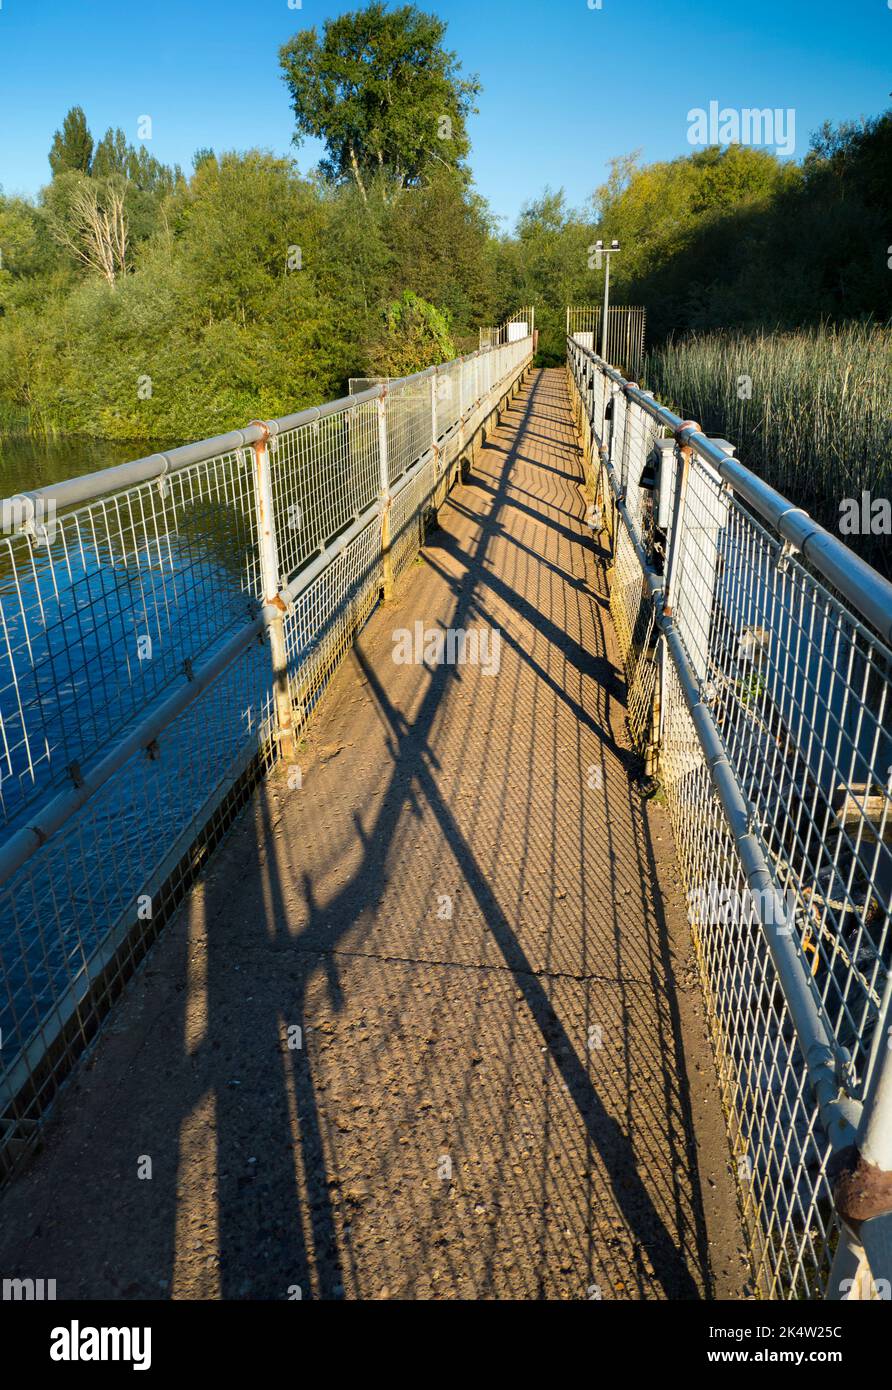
{"points": [[434, 431], [269, 578], [847, 1270], [612, 397], [862, 1186], [673, 546], [385, 500]]}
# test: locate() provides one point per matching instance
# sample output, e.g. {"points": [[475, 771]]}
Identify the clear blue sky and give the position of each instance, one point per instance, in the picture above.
{"points": [[565, 87]]}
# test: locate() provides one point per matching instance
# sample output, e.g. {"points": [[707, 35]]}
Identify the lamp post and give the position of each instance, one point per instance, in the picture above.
{"points": [[607, 251]]}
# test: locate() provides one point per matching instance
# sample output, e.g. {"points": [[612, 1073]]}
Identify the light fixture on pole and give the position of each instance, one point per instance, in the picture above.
{"points": [[607, 251]]}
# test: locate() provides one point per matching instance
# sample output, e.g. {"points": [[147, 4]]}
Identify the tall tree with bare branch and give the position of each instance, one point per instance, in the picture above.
{"points": [[94, 228]]}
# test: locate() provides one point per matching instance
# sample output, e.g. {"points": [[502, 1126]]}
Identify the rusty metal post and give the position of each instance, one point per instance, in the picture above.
{"points": [[269, 578], [434, 431], [385, 499], [435, 445], [862, 1180], [654, 745]]}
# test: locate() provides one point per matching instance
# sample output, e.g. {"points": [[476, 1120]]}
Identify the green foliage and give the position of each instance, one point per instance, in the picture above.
{"points": [[115, 157], [72, 145], [414, 335], [547, 264], [20, 246], [439, 241], [256, 291], [737, 237], [247, 290], [383, 94], [808, 411]]}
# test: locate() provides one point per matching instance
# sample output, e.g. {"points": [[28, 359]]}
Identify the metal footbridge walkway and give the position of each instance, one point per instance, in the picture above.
{"points": [[378, 920]]}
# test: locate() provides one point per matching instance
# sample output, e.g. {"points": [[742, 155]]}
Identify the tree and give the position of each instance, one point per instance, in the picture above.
{"points": [[204, 155], [549, 263], [414, 335], [116, 157], [94, 227], [20, 258], [72, 145], [383, 94], [113, 155]]}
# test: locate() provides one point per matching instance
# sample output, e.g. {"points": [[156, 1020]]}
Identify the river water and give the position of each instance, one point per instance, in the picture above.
{"points": [[31, 463]]}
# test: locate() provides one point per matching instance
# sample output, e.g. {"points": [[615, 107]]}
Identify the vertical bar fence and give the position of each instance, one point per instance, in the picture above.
{"points": [[625, 333]]}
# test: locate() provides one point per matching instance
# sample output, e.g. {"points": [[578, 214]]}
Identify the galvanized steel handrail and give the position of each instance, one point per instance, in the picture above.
{"points": [[88, 487], [274, 532], [869, 592], [17, 850], [855, 1115], [26, 841], [824, 1059]]}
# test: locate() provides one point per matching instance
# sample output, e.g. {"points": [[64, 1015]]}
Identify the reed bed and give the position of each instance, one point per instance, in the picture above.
{"points": [[809, 411]]}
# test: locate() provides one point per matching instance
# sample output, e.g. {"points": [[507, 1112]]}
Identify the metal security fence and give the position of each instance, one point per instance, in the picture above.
{"points": [[518, 326], [166, 629], [757, 658], [625, 332]]}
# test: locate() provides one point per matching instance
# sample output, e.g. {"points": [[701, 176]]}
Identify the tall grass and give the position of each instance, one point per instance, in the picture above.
{"points": [[818, 422]]}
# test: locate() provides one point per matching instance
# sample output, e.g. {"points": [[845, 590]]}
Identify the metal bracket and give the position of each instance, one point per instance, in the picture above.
{"points": [[845, 1070], [161, 482], [787, 552], [284, 600]]}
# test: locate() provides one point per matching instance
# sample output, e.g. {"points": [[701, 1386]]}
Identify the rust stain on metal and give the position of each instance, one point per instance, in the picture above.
{"points": [[860, 1189]]}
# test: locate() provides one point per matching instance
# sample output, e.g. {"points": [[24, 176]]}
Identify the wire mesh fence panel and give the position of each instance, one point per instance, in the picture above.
{"points": [[447, 396], [800, 692], [321, 626], [99, 612], [791, 691], [780, 1155], [323, 475], [407, 516], [82, 910], [634, 623], [409, 423], [636, 442], [139, 692]]}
